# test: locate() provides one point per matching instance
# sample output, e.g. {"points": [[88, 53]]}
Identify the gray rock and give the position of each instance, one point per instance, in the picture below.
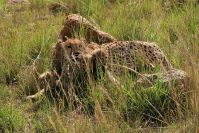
{"points": [[18, 1], [172, 77]]}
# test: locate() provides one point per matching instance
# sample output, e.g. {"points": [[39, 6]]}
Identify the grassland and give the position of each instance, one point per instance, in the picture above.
{"points": [[26, 30]]}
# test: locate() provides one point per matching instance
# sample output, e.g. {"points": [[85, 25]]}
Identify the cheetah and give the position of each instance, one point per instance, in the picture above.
{"points": [[136, 55], [82, 62], [75, 22], [75, 59]]}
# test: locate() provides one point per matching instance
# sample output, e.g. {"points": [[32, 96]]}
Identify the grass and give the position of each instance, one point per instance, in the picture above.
{"points": [[28, 29]]}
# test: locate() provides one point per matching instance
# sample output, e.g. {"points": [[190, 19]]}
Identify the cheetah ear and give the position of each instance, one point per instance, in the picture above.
{"points": [[59, 41], [55, 74], [66, 38], [98, 62]]}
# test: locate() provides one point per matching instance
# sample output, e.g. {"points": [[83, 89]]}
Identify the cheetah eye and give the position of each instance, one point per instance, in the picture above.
{"points": [[69, 47]]}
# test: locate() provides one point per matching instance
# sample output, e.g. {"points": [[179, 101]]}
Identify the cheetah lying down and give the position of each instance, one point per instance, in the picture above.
{"points": [[76, 59]]}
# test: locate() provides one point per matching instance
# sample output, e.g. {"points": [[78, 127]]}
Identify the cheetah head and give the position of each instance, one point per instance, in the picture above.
{"points": [[78, 51], [68, 51], [75, 58], [73, 49], [86, 57]]}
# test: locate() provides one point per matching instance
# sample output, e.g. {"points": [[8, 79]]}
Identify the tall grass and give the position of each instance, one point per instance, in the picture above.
{"points": [[27, 30]]}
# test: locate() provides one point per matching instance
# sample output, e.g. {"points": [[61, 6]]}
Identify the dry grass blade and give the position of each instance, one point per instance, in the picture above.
{"points": [[134, 71]]}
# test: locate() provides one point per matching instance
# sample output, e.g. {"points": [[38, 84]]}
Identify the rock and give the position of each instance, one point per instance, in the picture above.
{"points": [[67, 8], [175, 77], [18, 1]]}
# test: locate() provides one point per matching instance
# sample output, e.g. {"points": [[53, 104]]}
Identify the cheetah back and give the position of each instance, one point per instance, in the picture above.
{"points": [[137, 55]]}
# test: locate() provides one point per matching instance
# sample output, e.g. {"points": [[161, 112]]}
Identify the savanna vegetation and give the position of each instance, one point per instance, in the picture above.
{"points": [[29, 30]]}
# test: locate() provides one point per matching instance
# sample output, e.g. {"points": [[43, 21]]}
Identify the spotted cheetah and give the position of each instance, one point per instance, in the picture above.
{"points": [[82, 62], [75, 61], [137, 55], [75, 22]]}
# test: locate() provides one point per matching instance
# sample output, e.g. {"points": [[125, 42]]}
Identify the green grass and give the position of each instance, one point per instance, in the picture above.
{"points": [[25, 30], [11, 119]]}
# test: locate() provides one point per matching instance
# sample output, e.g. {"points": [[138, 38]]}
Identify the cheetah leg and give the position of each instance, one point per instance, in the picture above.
{"points": [[36, 96], [73, 25], [43, 80], [112, 79]]}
